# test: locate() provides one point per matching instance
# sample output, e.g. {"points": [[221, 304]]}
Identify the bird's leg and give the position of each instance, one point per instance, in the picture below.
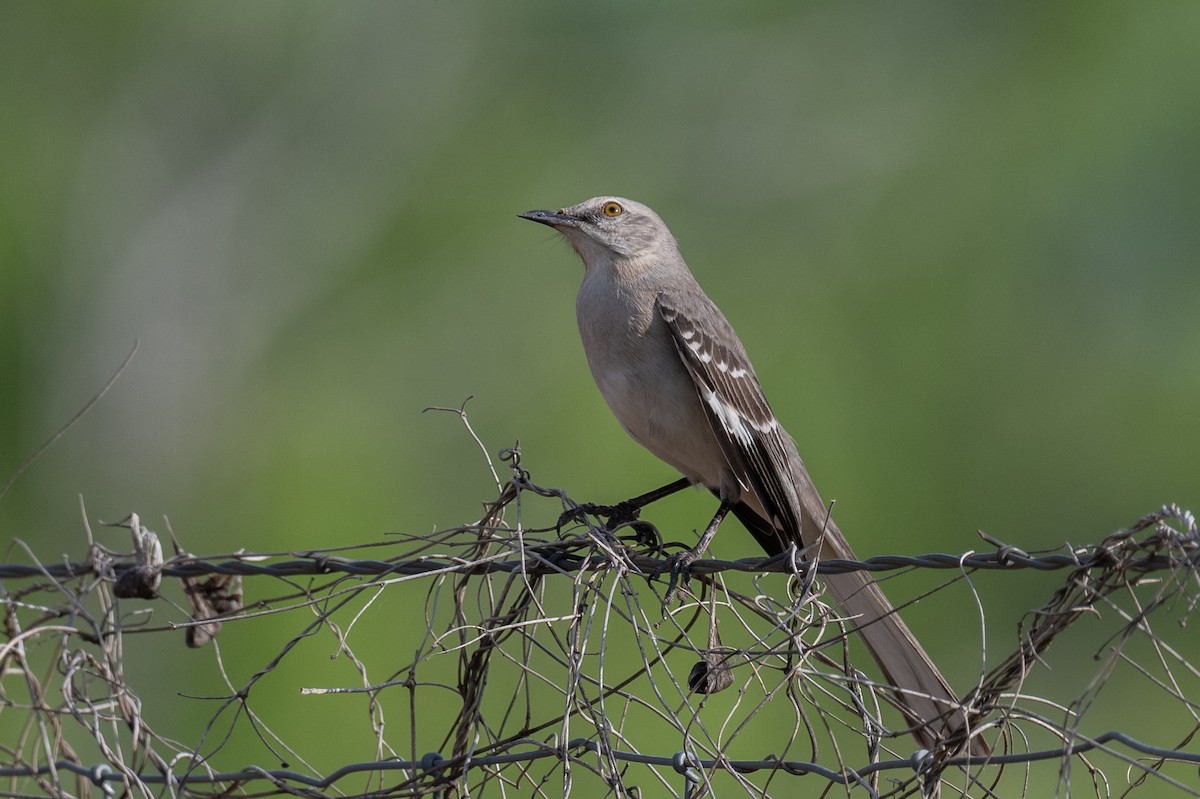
{"points": [[711, 531], [681, 562], [622, 512]]}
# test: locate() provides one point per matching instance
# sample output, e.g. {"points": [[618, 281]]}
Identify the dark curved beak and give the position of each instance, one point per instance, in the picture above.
{"points": [[551, 218]]}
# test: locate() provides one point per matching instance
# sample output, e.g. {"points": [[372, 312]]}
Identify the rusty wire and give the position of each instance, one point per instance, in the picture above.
{"points": [[554, 669]]}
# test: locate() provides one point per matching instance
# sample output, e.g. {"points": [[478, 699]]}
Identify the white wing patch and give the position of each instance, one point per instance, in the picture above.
{"points": [[734, 422], [730, 419], [737, 372]]}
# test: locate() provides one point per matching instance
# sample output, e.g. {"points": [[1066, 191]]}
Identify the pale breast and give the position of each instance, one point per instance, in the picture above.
{"points": [[639, 371]]}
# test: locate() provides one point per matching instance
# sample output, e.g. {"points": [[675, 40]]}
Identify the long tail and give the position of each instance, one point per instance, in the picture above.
{"points": [[923, 695]]}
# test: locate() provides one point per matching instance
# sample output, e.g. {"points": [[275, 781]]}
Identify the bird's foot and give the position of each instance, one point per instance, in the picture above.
{"points": [[679, 566], [614, 515], [645, 536]]}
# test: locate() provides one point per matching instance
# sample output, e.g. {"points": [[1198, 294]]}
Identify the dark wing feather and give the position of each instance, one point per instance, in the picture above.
{"points": [[758, 449]]}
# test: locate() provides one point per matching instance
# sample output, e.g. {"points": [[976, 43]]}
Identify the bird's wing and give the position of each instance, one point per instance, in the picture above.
{"points": [[757, 447], [763, 457]]}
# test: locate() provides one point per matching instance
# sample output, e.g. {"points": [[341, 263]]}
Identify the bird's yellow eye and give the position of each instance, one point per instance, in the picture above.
{"points": [[612, 209]]}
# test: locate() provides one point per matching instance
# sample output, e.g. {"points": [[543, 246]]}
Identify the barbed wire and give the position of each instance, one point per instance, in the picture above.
{"points": [[528, 636], [430, 767], [558, 557], [564, 555]]}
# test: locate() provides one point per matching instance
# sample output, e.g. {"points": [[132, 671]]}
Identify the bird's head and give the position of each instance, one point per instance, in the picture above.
{"points": [[607, 227]]}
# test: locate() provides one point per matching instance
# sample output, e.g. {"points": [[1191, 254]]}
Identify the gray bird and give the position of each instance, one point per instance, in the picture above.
{"points": [[679, 381]]}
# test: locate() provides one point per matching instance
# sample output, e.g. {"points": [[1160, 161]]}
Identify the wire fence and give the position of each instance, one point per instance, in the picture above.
{"points": [[544, 661]]}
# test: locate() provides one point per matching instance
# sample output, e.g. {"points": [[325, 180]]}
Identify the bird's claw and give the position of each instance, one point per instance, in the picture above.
{"points": [[614, 515], [679, 565], [645, 536]]}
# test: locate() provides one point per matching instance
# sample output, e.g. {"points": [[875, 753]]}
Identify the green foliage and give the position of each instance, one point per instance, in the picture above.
{"points": [[959, 241]]}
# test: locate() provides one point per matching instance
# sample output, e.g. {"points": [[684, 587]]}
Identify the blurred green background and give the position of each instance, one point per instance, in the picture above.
{"points": [[959, 240]]}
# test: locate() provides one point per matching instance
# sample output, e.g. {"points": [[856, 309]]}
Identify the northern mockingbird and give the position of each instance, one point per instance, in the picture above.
{"points": [[679, 381]]}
